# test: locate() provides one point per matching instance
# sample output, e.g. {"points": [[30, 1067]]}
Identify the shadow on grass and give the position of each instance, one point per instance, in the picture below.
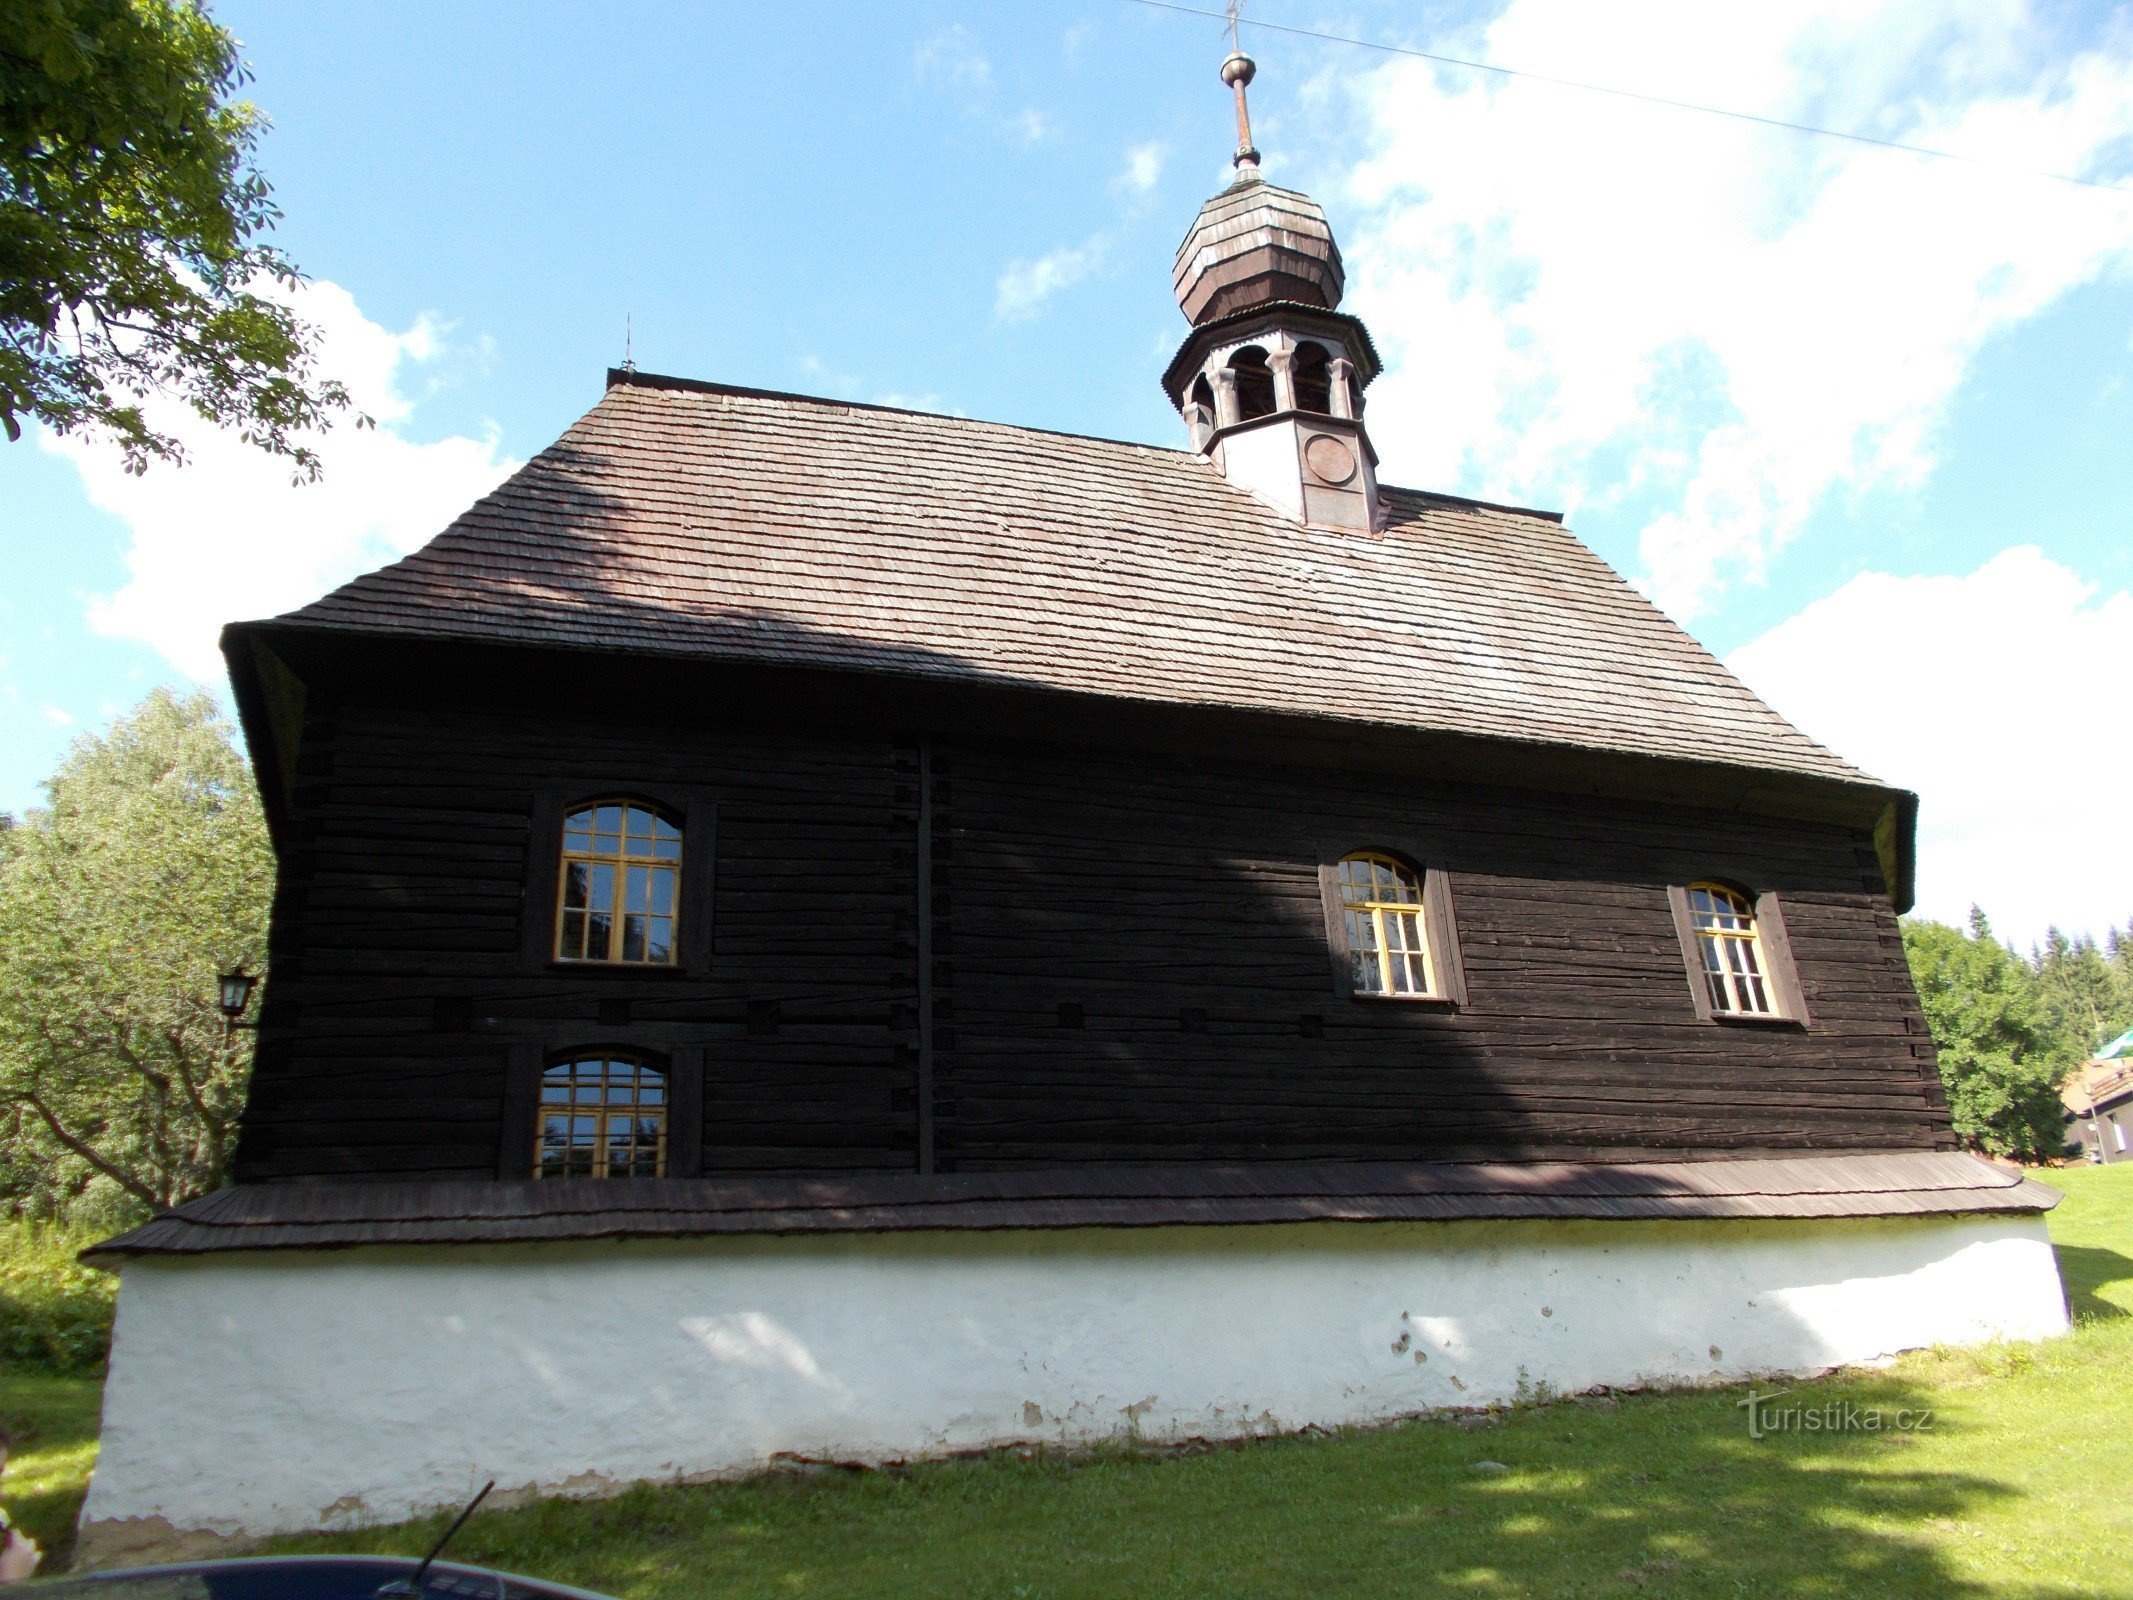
{"points": [[53, 1422], [2086, 1269], [1663, 1494]]}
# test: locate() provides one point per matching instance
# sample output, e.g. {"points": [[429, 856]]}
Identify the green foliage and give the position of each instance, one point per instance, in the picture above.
{"points": [[53, 1421], [55, 1313], [2085, 991], [1999, 1061], [130, 223], [2010, 1032], [149, 873]]}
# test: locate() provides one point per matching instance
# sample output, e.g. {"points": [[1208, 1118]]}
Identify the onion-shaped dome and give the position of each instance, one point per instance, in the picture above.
{"points": [[1253, 244]]}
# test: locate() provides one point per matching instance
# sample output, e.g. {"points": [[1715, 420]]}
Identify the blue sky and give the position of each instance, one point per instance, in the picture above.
{"points": [[1860, 419]]}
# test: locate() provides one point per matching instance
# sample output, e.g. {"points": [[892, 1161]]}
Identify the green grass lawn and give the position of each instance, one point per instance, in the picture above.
{"points": [[2019, 1488]]}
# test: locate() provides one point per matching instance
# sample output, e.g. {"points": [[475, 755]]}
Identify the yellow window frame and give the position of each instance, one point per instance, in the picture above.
{"points": [[1400, 946], [622, 860], [600, 1108], [1734, 966]]}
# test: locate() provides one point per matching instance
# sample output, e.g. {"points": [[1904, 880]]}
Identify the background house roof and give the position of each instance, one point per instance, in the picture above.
{"points": [[700, 520], [2097, 1085]]}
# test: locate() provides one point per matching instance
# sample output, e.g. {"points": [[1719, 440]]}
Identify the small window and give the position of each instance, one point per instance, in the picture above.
{"points": [[1734, 970], [620, 889], [602, 1116], [1384, 914]]}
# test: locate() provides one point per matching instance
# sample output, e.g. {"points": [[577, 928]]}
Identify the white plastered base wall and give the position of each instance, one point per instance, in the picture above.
{"points": [[255, 1394]]}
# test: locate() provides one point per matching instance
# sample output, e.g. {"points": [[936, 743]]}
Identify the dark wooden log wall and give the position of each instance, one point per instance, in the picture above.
{"points": [[1129, 961], [1176, 917]]}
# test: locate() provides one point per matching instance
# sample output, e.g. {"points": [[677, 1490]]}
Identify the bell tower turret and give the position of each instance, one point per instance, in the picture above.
{"points": [[1270, 380]]}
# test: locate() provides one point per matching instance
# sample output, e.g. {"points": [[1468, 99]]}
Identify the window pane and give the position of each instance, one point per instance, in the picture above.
{"points": [[1731, 950], [615, 1125], [1721, 996], [620, 858], [1389, 947]]}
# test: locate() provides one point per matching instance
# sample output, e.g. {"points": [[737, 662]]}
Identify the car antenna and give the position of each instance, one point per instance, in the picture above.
{"points": [[414, 1582]]}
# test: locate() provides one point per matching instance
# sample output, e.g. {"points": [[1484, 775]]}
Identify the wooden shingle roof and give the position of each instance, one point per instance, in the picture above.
{"points": [[311, 1216], [707, 521]]}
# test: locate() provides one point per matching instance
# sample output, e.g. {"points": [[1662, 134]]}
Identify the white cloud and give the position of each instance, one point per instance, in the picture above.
{"points": [[58, 717], [227, 535], [952, 62], [952, 57], [1716, 324], [1999, 696], [1143, 171], [928, 401], [1026, 285]]}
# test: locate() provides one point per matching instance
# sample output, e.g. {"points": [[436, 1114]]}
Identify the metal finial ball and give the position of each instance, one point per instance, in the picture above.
{"points": [[1238, 69]]}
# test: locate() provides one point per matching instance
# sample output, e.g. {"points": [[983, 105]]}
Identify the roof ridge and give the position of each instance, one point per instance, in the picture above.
{"points": [[622, 378], [629, 378]]}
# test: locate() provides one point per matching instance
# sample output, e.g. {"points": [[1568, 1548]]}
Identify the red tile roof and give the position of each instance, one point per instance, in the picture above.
{"points": [[2096, 1084]]}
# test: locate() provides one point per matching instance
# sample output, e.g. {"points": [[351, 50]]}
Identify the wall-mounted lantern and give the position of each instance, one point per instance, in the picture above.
{"points": [[234, 995]]}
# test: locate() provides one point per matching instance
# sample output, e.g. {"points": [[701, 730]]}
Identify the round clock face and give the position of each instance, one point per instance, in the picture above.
{"points": [[1330, 459]]}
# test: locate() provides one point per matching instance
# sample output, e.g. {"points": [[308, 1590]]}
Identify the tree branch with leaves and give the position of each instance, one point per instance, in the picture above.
{"points": [[132, 257], [149, 873]]}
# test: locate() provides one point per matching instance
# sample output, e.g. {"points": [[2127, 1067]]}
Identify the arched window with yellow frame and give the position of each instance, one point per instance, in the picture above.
{"points": [[1735, 972], [1387, 924], [618, 894], [603, 1114]]}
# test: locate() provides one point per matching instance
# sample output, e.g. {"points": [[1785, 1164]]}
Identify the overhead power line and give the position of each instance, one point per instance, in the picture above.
{"points": [[1632, 94]]}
